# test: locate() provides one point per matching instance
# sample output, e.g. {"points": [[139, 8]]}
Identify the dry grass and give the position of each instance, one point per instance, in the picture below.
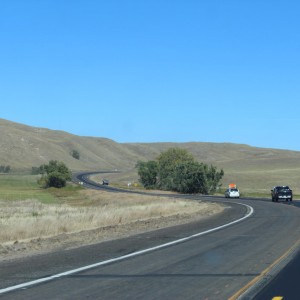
{"points": [[28, 219]]}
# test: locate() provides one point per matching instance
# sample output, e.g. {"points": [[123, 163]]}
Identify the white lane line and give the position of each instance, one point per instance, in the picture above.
{"points": [[105, 262]]}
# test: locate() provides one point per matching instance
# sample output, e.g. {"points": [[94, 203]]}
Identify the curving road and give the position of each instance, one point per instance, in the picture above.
{"points": [[232, 262]]}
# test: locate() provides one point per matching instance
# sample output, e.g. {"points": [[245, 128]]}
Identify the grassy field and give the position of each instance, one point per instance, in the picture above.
{"points": [[23, 187], [28, 212]]}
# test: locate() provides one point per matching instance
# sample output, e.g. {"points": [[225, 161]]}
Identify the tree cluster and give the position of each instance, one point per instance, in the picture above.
{"points": [[55, 174], [38, 170], [177, 170], [4, 169]]}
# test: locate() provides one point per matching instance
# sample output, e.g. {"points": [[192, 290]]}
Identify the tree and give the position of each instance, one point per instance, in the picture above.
{"points": [[188, 177], [213, 178], [75, 154], [38, 170], [57, 174], [177, 170], [147, 172], [4, 169], [56, 179], [167, 162]]}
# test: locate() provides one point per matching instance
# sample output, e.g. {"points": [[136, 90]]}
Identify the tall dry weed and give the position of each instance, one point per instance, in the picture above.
{"points": [[31, 219]]}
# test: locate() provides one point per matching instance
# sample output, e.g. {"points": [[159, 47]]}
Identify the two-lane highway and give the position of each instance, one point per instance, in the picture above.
{"points": [[216, 265]]}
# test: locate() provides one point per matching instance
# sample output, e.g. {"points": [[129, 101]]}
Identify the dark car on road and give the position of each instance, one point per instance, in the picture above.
{"points": [[105, 182], [281, 193]]}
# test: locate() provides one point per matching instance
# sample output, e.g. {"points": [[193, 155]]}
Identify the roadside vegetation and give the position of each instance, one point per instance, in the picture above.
{"points": [[177, 170], [54, 174], [28, 211], [22, 187], [5, 169]]}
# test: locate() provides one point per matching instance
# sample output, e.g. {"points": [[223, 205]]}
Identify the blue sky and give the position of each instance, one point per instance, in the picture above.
{"points": [[155, 70]]}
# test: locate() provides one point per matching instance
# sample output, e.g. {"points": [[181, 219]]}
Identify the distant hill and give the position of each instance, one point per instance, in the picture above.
{"points": [[23, 147]]}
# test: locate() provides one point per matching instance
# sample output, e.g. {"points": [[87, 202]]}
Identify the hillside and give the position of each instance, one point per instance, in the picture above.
{"points": [[23, 147]]}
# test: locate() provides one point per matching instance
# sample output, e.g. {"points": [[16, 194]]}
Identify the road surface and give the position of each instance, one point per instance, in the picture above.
{"points": [[217, 265]]}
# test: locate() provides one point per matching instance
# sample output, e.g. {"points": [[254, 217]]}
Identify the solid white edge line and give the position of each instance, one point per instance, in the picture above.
{"points": [[105, 262]]}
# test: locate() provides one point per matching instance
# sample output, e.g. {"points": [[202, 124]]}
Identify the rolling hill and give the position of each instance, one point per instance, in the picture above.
{"points": [[23, 147]]}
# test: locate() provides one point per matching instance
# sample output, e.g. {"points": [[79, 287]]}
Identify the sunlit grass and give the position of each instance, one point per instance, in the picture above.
{"points": [[89, 210], [23, 187], [32, 212]]}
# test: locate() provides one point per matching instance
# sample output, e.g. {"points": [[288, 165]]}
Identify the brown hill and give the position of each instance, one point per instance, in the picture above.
{"points": [[23, 147]]}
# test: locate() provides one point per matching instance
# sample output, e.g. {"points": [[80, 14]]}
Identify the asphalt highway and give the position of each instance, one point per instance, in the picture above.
{"points": [[285, 285], [234, 262]]}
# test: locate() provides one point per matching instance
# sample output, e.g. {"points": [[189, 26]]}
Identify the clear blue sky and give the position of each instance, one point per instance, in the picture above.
{"points": [[154, 70]]}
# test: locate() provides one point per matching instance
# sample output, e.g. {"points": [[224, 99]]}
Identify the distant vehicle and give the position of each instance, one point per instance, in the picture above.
{"points": [[232, 193], [232, 186], [105, 182], [282, 192]]}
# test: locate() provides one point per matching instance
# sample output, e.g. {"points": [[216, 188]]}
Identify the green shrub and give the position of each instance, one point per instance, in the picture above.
{"points": [[57, 175], [177, 170]]}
